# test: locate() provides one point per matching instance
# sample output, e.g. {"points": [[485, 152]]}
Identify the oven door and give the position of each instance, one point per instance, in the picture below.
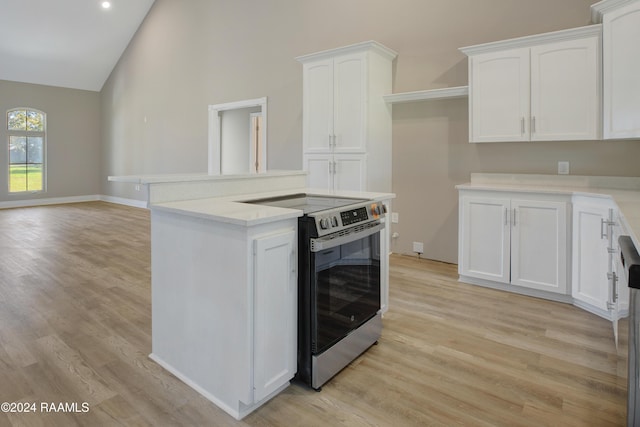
{"points": [[345, 284]]}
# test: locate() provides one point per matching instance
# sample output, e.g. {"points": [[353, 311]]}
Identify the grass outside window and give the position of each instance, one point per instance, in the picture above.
{"points": [[25, 177]]}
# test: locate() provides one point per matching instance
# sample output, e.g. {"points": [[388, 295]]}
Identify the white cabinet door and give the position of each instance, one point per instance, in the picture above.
{"points": [[275, 312], [539, 245], [484, 238], [621, 68], [349, 102], [319, 169], [318, 114], [336, 172], [564, 90], [349, 172], [499, 97], [334, 104], [590, 257], [621, 288]]}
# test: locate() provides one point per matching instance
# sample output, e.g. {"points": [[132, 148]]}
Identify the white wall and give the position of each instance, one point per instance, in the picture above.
{"points": [[190, 54]]}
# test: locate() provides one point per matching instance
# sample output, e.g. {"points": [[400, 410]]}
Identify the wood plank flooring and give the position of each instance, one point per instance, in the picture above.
{"points": [[75, 326]]}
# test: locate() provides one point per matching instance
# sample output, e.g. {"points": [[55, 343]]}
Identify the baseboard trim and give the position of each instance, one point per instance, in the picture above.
{"points": [[517, 289], [48, 201], [72, 199]]}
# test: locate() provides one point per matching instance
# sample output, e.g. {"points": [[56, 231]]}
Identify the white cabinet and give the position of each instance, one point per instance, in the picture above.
{"points": [[275, 312], [565, 90], [590, 256], [224, 306], [618, 280], [513, 239], [336, 171], [596, 271], [539, 245], [334, 104], [621, 68], [499, 96], [345, 118], [536, 88], [485, 238], [619, 294]]}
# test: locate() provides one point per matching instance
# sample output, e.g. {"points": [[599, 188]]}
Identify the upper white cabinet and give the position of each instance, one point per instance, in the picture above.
{"points": [[536, 88], [621, 66], [513, 239], [499, 96], [335, 102], [344, 114]]}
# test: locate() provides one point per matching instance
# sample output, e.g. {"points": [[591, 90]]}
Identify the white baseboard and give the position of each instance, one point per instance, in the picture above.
{"points": [[72, 199], [48, 201]]}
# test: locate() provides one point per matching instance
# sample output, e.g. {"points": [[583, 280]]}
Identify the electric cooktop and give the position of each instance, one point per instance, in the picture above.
{"points": [[308, 203]]}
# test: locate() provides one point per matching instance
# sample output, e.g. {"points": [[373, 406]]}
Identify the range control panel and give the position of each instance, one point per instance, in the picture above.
{"points": [[334, 220], [354, 216]]}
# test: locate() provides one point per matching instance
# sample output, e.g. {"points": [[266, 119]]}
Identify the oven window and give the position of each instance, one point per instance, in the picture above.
{"points": [[347, 289]]}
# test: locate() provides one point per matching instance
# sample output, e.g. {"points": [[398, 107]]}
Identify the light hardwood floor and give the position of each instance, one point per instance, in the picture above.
{"points": [[75, 327]]}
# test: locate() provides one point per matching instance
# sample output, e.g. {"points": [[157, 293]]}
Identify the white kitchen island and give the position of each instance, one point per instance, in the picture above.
{"points": [[224, 295], [224, 283]]}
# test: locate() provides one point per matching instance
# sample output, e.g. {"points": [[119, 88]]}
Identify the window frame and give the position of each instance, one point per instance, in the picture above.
{"points": [[26, 134]]}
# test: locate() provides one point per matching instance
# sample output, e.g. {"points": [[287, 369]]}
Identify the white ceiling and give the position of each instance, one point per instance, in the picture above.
{"points": [[67, 43]]}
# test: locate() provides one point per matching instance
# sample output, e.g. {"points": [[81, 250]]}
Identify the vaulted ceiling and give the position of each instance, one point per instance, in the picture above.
{"points": [[66, 43]]}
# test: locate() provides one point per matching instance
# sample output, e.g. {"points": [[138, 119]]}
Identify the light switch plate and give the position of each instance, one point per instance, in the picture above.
{"points": [[563, 168]]}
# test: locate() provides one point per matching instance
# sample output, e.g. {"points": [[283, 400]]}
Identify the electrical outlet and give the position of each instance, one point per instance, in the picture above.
{"points": [[394, 217], [418, 247], [137, 187], [563, 168]]}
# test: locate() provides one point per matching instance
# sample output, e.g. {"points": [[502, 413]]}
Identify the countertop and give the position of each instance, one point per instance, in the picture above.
{"points": [[189, 177], [232, 210], [624, 191]]}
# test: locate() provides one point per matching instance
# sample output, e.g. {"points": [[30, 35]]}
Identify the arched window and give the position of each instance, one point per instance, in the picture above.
{"points": [[27, 130]]}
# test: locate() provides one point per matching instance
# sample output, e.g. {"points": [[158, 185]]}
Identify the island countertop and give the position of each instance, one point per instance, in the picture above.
{"points": [[234, 210]]}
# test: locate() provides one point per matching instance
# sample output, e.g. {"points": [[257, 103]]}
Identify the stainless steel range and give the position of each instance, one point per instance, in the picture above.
{"points": [[338, 281], [630, 276]]}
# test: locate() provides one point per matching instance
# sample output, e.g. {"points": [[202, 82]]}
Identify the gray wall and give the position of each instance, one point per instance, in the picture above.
{"points": [[189, 54], [73, 138]]}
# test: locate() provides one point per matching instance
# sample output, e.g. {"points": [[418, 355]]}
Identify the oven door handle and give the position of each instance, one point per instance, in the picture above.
{"points": [[323, 243]]}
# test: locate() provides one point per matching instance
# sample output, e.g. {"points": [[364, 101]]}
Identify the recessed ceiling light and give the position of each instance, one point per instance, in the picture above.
{"points": [[106, 4]]}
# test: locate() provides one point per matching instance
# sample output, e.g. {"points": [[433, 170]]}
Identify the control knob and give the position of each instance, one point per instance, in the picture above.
{"points": [[379, 209], [334, 221], [324, 223]]}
